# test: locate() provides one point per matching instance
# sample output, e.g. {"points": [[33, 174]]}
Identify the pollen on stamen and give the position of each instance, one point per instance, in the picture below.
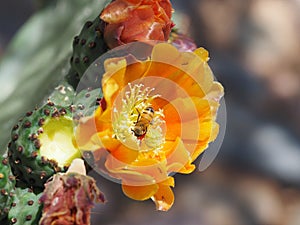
{"points": [[133, 124]]}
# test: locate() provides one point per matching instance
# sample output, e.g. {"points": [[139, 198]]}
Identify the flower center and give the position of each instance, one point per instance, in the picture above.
{"points": [[135, 122]]}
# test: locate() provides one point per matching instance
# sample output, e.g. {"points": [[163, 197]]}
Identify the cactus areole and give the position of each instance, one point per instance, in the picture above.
{"points": [[7, 184], [42, 144]]}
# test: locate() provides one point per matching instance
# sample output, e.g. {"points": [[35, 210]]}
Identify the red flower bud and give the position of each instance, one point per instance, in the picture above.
{"points": [[136, 20]]}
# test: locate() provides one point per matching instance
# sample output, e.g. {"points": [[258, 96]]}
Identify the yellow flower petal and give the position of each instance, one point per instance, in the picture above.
{"points": [[197, 149], [188, 109], [115, 67], [124, 154], [184, 169], [163, 198], [202, 53], [106, 141], [128, 176], [164, 52], [140, 193], [177, 156]]}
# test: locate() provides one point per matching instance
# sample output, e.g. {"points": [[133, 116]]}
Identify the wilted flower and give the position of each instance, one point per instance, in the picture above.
{"points": [[159, 116], [69, 197], [136, 20]]}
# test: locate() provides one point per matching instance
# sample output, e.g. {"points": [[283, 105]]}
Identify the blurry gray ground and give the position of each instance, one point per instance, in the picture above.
{"points": [[255, 53]]}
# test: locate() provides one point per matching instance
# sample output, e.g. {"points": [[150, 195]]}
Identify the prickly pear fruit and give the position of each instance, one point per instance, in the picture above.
{"points": [[42, 144], [7, 184]]}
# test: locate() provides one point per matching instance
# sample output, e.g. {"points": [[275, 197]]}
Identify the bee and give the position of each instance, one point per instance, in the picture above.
{"points": [[143, 121]]}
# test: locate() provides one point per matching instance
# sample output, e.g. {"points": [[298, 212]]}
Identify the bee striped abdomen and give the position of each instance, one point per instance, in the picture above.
{"points": [[143, 122]]}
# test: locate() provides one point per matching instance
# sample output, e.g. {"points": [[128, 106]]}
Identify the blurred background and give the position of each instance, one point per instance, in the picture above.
{"points": [[255, 53]]}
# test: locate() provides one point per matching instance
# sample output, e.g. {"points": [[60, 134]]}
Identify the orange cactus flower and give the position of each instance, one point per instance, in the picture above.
{"points": [[136, 20], [159, 116]]}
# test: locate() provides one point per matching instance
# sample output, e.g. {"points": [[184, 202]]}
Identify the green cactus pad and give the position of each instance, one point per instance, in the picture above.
{"points": [[86, 102], [87, 47], [26, 208], [62, 95], [42, 144], [7, 184]]}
